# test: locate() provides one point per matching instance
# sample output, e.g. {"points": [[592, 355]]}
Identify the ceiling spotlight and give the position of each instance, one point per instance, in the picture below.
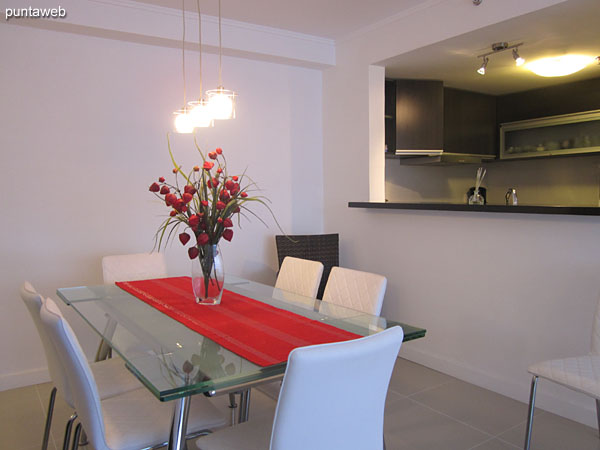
{"points": [[518, 60], [481, 70]]}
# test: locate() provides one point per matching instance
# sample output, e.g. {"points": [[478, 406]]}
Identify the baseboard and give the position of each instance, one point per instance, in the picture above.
{"points": [[569, 404], [21, 379]]}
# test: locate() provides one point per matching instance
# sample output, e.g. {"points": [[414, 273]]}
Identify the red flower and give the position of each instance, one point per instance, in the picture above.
{"points": [[179, 205], [173, 213], [224, 196], [170, 199], [234, 178], [243, 195], [154, 187], [236, 210], [221, 206], [196, 169], [164, 190], [208, 165], [193, 252], [187, 197], [228, 234], [176, 169], [227, 223], [219, 170], [204, 203], [184, 238], [189, 189], [193, 221], [219, 150], [161, 179], [212, 155], [229, 184], [202, 239], [220, 220]]}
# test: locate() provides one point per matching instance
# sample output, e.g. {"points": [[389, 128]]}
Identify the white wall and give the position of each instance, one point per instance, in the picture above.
{"points": [[496, 292], [84, 123]]}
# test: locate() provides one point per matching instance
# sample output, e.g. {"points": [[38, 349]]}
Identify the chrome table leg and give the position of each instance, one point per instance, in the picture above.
{"points": [[49, 419], [233, 406], [68, 428], [179, 425], [76, 437], [530, 413], [244, 406]]}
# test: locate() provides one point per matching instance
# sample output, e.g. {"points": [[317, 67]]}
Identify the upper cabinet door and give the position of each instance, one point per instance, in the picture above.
{"points": [[469, 122], [419, 115]]}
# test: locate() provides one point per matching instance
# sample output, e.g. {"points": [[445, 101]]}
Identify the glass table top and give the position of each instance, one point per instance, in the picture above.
{"points": [[173, 361]]}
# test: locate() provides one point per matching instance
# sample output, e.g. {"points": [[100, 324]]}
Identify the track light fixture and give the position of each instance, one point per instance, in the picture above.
{"points": [[518, 60], [481, 70], [498, 47]]}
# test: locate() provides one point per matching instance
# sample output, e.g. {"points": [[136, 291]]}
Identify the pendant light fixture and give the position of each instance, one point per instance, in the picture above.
{"points": [[221, 101], [201, 115], [183, 122]]}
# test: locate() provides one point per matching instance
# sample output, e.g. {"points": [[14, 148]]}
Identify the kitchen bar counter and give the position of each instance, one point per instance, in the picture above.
{"points": [[523, 209]]}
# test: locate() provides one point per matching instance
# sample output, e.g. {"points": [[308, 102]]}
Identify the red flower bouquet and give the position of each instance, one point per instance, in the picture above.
{"points": [[205, 201]]}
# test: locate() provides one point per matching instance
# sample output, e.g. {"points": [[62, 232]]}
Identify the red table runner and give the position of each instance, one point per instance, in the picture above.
{"points": [[259, 332]]}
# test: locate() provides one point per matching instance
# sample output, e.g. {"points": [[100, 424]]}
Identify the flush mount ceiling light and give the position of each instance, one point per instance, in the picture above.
{"points": [[183, 122], [560, 66], [200, 114], [498, 47], [221, 101]]}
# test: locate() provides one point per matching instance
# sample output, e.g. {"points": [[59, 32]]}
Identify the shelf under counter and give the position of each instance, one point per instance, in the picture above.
{"points": [[522, 209]]}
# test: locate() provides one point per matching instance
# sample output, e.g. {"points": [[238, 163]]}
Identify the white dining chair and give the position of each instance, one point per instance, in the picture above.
{"points": [[136, 266], [132, 420], [579, 373], [112, 377], [301, 276], [354, 289], [333, 397], [130, 267]]}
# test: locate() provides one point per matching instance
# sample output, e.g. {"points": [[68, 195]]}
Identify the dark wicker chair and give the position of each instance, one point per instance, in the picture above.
{"points": [[317, 247]]}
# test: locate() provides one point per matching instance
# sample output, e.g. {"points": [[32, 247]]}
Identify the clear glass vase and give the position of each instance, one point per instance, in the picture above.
{"points": [[208, 276]]}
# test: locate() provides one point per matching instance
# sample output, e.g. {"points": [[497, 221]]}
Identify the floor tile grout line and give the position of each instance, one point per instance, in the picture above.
{"points": [[423, 390], [453, 418]]}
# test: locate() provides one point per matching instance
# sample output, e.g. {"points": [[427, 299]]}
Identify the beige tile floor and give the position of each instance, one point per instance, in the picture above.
{"points": [[425, 410]]}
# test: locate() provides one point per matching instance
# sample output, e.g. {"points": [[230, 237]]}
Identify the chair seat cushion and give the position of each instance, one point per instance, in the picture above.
{"points": [[581, 374], [252, 435], [137, 419], [113, 378]]}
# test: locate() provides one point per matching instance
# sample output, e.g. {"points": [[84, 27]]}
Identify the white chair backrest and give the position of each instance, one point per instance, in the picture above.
{"points": [[138, 266], [354, 289], [81, 380], [595, 348], [333, 395], [34, 303], [301, 276]]}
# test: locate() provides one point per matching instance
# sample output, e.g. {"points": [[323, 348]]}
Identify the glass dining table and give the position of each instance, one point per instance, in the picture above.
{"points": [[174, 362]]}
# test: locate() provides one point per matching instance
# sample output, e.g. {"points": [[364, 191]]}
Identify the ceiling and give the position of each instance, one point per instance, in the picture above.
{"points": [[570, 27], [325, 18]]}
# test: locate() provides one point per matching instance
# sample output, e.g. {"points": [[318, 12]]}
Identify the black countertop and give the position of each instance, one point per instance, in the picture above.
{"points": [[523, 209]]}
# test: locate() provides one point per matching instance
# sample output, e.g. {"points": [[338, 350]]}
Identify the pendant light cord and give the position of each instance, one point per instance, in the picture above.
{"points": [[220, 48], [200, 43], [183, 52]]}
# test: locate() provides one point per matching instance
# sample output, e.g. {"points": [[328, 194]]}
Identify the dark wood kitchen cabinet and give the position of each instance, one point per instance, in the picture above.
{"points": [[429, 116], [470, 122], [419, 114]]}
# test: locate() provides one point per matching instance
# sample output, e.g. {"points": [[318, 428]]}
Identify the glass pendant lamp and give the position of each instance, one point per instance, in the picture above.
{"points": [[183, 122], [221, 101], [201, 113]]}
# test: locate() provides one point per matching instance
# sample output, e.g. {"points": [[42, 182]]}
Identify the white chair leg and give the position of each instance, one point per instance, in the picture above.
{"points": [[534, 381]]}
